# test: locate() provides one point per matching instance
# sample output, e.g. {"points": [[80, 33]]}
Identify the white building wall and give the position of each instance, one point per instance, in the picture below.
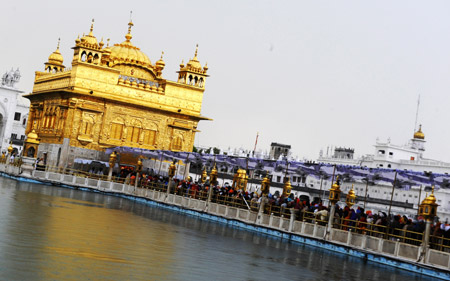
{"points": [[11, 102]]}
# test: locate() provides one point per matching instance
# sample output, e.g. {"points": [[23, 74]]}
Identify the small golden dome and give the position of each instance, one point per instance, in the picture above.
{"points": [[56, 57], [90, 38], [194, 63], [160, 63], [419, 134], [430, 199], [32, 135]]}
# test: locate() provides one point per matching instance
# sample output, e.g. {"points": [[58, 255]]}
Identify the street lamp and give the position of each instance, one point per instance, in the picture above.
{"points": [[112, 162], [334, 197], [172, 170], [350, 199], [287, 187], [428, 209]]}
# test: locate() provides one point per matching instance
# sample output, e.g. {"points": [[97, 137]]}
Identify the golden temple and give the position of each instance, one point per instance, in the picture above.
{"points": [[113, 96]]}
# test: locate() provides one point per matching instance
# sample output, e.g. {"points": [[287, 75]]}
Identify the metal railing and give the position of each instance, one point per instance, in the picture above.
{"points": [[404, 235]]}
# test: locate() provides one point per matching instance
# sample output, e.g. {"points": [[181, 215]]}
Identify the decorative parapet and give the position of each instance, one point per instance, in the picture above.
{"points": [[140, 84]]}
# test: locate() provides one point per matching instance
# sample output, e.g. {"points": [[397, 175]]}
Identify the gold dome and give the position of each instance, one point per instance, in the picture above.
{"points": [[194, 63], [126, 52], [160, 63], [32, 137], [90, 39], [56, 57], [430, 199], [419, 134]]}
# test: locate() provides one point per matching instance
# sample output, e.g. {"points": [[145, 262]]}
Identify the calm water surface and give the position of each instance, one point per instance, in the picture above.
{"points": [[53, 233]]}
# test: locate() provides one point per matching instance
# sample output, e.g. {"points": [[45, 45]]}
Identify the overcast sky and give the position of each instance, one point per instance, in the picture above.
{"points": [[306, 73]]}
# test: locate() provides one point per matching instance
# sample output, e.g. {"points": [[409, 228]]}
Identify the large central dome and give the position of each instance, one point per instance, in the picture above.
{"points": [[127, 53]]}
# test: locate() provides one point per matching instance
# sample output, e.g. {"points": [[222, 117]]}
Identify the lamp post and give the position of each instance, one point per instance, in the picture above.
{"points": [[335, 195], [265, 189], [428, 209], [112, 163], [240, 180], [10, 150], [212, 181], [172, 169], [138, 171], [350, 199], [287, 187], [204, 175]]}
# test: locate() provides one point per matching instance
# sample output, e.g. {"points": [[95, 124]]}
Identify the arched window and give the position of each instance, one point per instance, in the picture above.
{"points": [[134, 132], [117, 129], [177, 143], [87, 126], [83, 56], [149, 137]]}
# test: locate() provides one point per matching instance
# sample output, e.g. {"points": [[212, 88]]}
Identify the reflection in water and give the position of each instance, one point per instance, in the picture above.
{"points": [[49, 233]]}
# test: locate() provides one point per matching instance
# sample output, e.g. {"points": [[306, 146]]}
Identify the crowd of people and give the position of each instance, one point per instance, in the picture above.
{"points": [[392, 226]]}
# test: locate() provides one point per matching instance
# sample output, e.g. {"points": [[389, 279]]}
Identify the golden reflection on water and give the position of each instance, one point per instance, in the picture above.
{"points": [[87, 239]]}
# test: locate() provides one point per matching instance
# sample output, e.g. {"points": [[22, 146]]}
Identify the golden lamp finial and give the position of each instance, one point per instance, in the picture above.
{"points": [[128, 35], [92, 27], [196, 50], [428, 207], [107, 42], [162, 54]]}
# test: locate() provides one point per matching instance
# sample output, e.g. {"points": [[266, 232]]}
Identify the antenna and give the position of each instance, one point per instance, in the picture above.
{"points": [[417, 113]]}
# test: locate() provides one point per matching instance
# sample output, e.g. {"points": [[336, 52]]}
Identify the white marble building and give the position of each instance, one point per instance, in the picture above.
{"points": [[13, 112]]}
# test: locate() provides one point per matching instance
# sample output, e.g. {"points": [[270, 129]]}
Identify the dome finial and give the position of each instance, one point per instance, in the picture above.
{"points": [[162, 54], [130, 24], [92, 26], [57, 47], [107, 42], [196, 50], [419, 134]]}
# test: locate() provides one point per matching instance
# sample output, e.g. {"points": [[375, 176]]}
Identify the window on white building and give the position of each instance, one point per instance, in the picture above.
{"points": [[17, 116]]}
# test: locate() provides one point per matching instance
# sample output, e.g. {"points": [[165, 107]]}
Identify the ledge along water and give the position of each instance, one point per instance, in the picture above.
{"points": [[367, 248]]}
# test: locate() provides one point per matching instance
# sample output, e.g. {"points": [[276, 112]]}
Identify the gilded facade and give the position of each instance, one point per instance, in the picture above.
{"points": [[113, 96]]}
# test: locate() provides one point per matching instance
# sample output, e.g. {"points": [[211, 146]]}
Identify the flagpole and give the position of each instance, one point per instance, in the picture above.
{"points": [[256, 142], [392, 194]]}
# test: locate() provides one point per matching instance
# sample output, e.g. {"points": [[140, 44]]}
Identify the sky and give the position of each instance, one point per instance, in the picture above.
{"points": [[311, 74]]}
